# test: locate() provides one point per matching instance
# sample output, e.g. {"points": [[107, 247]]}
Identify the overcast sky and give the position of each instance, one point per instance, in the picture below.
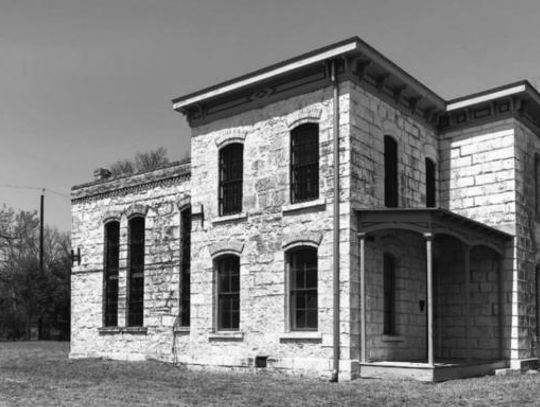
{"points": [[86, 82]]}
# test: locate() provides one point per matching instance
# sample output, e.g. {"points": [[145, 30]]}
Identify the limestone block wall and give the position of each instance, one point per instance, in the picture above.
{"points": [[372, 119], [450, 305], [409, 344], [478, 173], [267, 222], [528, 238], [158, 194], [478, 180]]}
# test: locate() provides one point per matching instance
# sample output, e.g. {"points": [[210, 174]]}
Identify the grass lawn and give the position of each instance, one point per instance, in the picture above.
{"points": [[39, 374]]}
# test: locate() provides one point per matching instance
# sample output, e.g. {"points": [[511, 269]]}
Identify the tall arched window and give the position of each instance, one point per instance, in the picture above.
{"points": [[391, 197], [537, 184], [389, 288], [185, 266], [135, 271], [231, 171], [304, 163], [228, 293], [537, 299], [110, 273], [303, 294], [431, 187]]}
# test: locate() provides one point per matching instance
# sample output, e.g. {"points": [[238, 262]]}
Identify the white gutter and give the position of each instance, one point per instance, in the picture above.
{"points": [[277, 71]]}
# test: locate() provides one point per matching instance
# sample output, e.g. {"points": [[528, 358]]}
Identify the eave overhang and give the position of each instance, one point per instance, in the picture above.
{"points": [[435, 221], [357, 61], [519, 100]]}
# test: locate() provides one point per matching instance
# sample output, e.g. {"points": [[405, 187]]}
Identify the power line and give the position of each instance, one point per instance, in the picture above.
{"points": [[34, 188]]}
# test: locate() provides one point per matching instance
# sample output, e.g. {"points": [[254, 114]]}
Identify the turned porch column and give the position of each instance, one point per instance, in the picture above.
{"points": [[468, 319], [363, 302], [429, 271]]}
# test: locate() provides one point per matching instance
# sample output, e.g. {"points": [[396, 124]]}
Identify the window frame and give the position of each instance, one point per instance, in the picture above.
{"points": [[431, 183], [108, 320], [185, 267], [391, 172], [219, 295], [135, 319], [311, 166], [293, 290], [228, 203], [389, 294]]}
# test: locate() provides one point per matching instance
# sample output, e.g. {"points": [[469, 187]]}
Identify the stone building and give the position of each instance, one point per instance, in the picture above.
{"points": [[426, 267]]}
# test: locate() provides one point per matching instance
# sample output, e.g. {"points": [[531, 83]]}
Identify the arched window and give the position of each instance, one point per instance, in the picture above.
{"points": [[305, 163], [185, 266], [110, 274], [135, 271], [537, 184], [431, 188], [228, 293], [537, 298], [303, 297], [389, 288], [231, 171], [391, 197]]}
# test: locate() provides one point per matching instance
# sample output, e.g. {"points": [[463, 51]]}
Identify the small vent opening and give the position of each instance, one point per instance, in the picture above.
{"points": [[260, 361]]}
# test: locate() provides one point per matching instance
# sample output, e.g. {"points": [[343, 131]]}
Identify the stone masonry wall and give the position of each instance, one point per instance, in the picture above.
{"points": [[528, 227], [409, 344], [157, 193], [371, 120], [478, 180], [267, 223]]}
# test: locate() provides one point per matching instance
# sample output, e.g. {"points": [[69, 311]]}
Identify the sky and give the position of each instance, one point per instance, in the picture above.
{"points": [[84, 83]]}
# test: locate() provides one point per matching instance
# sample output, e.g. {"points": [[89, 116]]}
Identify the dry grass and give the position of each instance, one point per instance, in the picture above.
{"points": [[39, 374]]}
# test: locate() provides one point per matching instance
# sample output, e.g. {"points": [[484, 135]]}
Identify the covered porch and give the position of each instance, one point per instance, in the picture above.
{"points": [[431, 303]]}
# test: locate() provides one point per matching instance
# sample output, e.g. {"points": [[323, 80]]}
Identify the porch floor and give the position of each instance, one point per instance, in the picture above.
{"points": [[440, 371]]}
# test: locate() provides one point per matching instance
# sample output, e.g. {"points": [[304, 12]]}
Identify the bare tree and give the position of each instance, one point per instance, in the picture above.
{"points": [[145, 161]]}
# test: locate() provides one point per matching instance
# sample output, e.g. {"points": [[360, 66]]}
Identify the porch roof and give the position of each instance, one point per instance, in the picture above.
{"points": [[434, 221]]}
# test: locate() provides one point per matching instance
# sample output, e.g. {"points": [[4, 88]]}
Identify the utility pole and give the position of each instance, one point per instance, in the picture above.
{"points": [[42, 271], [41, 216]]}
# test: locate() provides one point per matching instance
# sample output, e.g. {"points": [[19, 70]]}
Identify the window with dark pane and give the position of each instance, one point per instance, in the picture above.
{"points": [[537, 185], [228, 293], [431, 188], [303, 289], [390, 173], [136, 271], [185, 266], [110, 275], [231, 169], [305, 163], [537, 291], [389, 287]]}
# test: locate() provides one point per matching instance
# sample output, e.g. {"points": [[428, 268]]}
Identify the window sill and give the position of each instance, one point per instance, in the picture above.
{"points": [[393, 338], [226, 335], [301, 335], [230, 218], [109, 330], [135, 330], [181, 329], [321, 202]]}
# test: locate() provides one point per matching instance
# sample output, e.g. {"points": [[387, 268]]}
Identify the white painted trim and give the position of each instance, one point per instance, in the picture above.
{"points": [[277, 71], [485, 98]]}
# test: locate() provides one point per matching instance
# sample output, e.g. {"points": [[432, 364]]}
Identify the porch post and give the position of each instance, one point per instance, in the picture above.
{"points": [[363, 302], [468, 319], [429, 269]]}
